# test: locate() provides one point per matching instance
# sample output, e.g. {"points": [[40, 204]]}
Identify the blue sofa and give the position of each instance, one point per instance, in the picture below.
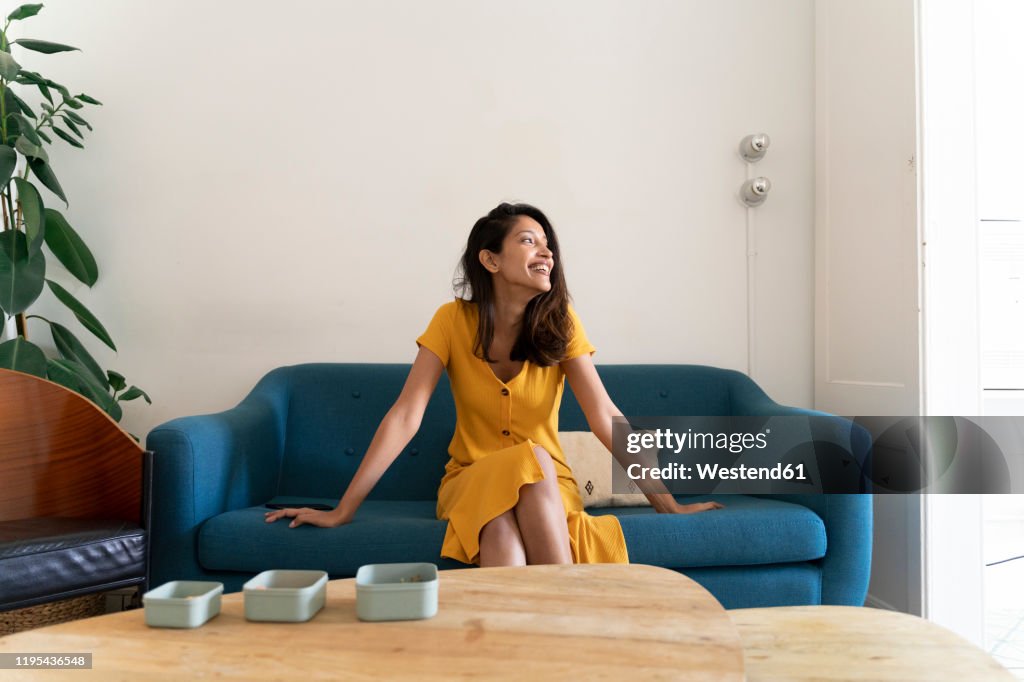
{"points": [[302, 430]]}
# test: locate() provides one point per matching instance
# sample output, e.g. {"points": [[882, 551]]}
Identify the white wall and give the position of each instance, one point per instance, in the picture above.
{"points": [[272, 184]]}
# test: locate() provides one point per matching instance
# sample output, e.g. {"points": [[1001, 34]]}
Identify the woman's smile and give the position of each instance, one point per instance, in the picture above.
{"points": [[541, 269]]}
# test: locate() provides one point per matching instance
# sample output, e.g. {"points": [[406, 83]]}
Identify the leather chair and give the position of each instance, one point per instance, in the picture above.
{"points": [[73, 496]]}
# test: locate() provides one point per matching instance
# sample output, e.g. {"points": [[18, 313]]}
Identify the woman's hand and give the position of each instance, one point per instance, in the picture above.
{"points": [[692, 508], [301, 515], [665, 503]]}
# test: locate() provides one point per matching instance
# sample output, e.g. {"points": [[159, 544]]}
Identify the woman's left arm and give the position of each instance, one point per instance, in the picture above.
{"points": [[599, 410]]}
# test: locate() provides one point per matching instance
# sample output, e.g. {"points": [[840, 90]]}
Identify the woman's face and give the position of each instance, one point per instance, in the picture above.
{"points": [[525, 259]]}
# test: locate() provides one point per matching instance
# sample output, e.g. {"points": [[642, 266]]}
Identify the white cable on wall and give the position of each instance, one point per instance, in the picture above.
{"points": [[753, 193], [751, 285]]}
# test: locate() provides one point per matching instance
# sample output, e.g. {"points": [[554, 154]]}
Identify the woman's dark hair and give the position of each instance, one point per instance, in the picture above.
{"points": [[547, 327]]}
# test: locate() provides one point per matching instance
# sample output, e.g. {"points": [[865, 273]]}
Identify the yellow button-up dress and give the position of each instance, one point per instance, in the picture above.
{"points": [[496, 428]]}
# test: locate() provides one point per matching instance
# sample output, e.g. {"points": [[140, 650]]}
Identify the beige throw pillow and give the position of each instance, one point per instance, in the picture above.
{"points": [[591, 465]]}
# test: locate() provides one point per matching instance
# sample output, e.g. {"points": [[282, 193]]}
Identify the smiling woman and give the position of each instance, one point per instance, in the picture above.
{"points": [[508, 343]]}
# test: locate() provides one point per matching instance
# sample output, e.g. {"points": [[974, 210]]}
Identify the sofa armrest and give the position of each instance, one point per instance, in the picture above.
{"points": [[848, 518], [207, 465]]}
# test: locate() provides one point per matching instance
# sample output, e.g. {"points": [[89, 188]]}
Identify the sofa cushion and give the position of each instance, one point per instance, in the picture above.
{"points": [[45, 559], [749, 530]]}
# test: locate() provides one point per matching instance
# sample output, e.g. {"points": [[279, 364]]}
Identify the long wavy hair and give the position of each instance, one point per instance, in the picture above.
{"points": [[547, 328]]}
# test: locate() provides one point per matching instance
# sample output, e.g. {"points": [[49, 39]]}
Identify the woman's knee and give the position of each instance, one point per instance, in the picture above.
{"points": [[501, 543], [501, 530]]}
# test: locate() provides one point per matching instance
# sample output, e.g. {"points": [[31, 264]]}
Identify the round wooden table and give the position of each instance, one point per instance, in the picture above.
{"points": [[830, 643], [586, 622]]}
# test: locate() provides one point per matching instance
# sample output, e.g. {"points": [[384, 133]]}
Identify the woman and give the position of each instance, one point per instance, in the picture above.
{"points": [[507, 493]]}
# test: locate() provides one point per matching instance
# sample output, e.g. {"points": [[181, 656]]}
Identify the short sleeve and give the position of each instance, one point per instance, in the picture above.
{"points": [[579, 343], [438, 336]]}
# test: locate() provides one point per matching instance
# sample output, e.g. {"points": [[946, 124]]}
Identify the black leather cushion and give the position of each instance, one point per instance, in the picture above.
{"points": [[47, 559]]}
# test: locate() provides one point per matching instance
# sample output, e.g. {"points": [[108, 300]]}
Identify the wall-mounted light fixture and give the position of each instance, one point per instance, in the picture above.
{"points": [[755, 191], [753, 147]]}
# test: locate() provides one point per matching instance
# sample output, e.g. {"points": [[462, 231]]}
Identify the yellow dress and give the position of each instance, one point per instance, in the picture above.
{"points": [[496, 428]]}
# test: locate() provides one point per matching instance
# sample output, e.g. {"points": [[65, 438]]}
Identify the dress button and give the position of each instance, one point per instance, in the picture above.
{"points": [[355, 394], [414, 452], [505, 432], [504, 391], [350, 451]]}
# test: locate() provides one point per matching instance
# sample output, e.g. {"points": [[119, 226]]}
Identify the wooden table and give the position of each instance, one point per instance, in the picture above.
{"points": [[827, 643], [585, 622]]}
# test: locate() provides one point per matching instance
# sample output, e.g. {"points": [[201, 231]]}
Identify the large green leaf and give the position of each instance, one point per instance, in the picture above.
{"points": [[133, 393], [26, 109], [44, 172], [24, 12], [77, 119], [27, 129], [8, 67], [64, 92], [21, 278], [8, 161], [91, 389], [116, 380], [14, 245], [33, 78], [88, 320], [70, 348], [58, 373], [43, 46], [23, 356], [10, 104], [31, 149], [69, 248], [71, 124], [32, 214], [26, 77], [67, 138]]}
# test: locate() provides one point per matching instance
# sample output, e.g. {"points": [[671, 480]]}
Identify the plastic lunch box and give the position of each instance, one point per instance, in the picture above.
{"points": [[284, 595], [396, 591], [182, 603]]}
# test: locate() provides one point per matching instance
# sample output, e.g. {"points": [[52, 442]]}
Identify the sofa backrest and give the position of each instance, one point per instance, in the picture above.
{"points": [[334, 411]]}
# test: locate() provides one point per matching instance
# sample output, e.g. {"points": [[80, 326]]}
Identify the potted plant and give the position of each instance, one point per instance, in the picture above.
{"points": [[29, 226]]}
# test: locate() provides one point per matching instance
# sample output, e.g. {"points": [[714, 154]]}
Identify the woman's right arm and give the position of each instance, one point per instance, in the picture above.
{"points": [[397, 428]]}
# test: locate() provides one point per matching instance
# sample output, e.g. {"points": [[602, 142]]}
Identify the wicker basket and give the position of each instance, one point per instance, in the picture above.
{"points": [[52, 613]]}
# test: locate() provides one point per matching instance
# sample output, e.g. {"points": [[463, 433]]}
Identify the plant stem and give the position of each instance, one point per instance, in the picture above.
{"points": [[9, 206], [48, 118]]}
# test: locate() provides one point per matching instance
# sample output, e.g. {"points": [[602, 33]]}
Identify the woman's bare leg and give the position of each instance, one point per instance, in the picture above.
{"points": [[500, 542], [541, 517]]}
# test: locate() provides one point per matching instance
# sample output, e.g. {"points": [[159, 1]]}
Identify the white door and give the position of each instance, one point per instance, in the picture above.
{"points": [[867, 251]]}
